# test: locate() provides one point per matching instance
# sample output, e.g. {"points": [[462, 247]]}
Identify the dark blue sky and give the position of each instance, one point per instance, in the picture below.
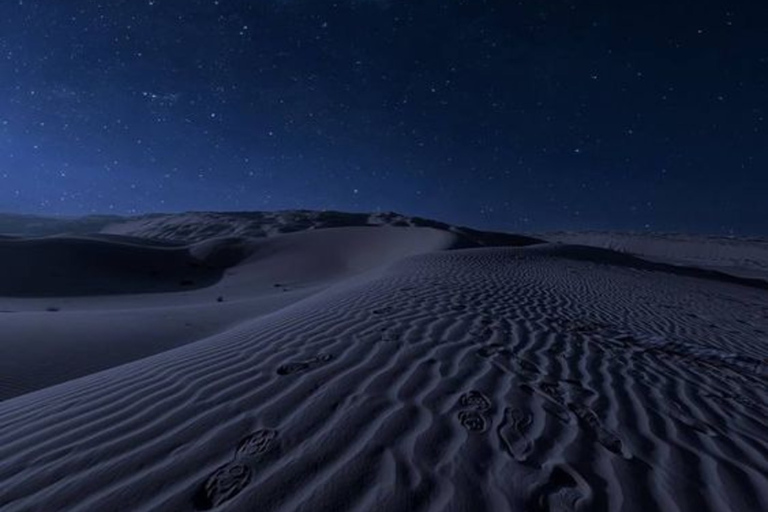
{"points": [[508, 115]]}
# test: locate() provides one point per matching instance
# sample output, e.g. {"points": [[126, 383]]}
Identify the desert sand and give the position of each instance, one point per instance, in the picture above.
{"points": [[228, 362]]}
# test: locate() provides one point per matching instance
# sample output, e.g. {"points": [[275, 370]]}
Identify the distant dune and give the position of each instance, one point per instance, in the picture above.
{"points": [[324, 361], [33, 225], [743, 256], [197, 226]]}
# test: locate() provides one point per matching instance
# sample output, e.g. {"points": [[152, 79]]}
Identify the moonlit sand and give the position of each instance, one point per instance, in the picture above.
{"points": [[305, 361]]}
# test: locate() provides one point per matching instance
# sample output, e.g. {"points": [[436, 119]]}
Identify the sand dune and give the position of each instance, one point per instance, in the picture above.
{"points": [[34, 225], [406, 377], [96, 303], [201, 226], [740, 256], [197, 226], [90, 266]]}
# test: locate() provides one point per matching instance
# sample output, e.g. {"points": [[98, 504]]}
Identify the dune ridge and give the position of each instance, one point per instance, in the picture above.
{"points": [[191, 227], [475, 379], [76, 305]]}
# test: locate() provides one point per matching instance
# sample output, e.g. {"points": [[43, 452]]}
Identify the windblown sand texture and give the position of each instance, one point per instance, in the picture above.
{"points": [[376, 368]]}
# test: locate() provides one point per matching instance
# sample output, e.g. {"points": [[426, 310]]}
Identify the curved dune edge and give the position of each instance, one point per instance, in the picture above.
{"points": [[51, 339], [488, 379]]}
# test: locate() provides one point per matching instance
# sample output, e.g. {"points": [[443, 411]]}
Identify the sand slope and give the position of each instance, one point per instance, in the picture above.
{"points": [[740, 256], [541, 378], [89, 303]]}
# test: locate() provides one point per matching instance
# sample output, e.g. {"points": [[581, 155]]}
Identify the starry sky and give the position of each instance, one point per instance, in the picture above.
{"points": [[519, 116]]}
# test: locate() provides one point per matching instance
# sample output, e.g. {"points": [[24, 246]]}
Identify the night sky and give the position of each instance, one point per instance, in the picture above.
{"points": [[519, 116]]}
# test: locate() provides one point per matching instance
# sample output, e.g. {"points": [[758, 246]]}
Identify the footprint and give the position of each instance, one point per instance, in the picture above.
{"points": [[513, 433], [557, 410], [577, 390], [561, 493], [303, 366], [475, 400], [605, 437], [552, 390], [491, 350], [552, 400], [473, 421], [222, 485], [527, 366], [291, 368], [258, 443]]}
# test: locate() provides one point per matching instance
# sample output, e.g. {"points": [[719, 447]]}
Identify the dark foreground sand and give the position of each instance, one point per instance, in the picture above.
{"points": [[390, 375]]}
